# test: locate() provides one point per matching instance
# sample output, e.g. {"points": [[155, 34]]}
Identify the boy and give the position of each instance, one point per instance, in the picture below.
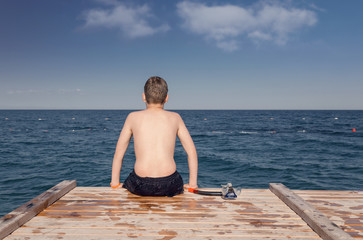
{"points": [[154, 131]]}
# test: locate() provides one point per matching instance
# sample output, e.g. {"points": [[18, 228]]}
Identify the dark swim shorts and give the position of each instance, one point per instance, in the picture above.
{"points": [[147, 186]]}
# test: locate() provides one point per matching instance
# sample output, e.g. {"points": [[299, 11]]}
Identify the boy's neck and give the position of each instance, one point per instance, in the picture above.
{"points": [[154, 106]]}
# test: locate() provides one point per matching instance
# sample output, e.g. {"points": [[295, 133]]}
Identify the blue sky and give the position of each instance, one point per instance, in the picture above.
{"points": [[97, 54]]}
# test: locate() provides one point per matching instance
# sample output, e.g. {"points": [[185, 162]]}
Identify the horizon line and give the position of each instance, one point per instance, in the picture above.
{"points": [[176, 109]]}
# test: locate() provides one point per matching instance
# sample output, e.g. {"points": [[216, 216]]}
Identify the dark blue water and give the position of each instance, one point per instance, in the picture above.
{"points": [[301, 149]]}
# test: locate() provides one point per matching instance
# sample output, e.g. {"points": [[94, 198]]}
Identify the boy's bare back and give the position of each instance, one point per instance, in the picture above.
{"points": [[154, 132]]}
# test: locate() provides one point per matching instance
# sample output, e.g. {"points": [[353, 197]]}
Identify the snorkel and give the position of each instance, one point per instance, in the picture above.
{"points": [[227, 192]]}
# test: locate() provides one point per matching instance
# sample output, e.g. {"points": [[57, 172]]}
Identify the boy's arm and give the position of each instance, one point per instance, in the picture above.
{"points": [[121, 148], [188, 145]]}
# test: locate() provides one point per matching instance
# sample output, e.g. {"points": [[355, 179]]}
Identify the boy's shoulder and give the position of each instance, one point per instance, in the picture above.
{"points": [[143, 112], [132, 116], [173, 115], [135, 115]]}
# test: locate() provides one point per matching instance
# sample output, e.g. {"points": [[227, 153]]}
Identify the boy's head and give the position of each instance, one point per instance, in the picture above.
{"points": [[156, 90]]}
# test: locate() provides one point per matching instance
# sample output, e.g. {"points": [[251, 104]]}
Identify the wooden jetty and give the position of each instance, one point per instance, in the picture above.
{"points": [[69, 212], [343, 208]]}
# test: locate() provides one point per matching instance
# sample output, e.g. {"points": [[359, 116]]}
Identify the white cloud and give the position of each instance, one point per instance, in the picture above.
{"points": [[227, 45], [260, 35], [132, 21], [226, 24]]}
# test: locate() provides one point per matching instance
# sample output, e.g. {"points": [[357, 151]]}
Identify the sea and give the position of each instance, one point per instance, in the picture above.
{"points": [[248, 148]]}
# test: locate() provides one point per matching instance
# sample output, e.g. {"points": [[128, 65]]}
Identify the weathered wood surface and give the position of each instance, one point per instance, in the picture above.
{"points": [[344, 208], [24, 213], [104, 213], [313, 217]]}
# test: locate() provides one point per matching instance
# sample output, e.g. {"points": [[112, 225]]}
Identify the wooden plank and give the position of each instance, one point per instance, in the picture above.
{"points": [[165, 231], [225, 214], [162, 207], [109, 203], [24, 213], [149, 223], [160, 236], [345, 211], [329, 192], [314, 218], [145, 218]]}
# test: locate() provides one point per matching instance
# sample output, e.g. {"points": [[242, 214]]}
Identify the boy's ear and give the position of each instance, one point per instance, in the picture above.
{"points": [[166, 99], [143, 97]]}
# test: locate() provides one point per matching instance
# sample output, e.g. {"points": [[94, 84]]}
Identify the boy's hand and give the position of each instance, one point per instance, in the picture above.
{"points": [[116, 186], [187, 186]]}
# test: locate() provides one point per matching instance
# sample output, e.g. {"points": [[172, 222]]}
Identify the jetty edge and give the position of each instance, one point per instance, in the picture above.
{"points": [[256, 214], [326, 229], [13, 220]]}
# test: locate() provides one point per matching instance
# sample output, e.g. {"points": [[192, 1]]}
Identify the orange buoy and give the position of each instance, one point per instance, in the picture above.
{"points": [[354, 130]]}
